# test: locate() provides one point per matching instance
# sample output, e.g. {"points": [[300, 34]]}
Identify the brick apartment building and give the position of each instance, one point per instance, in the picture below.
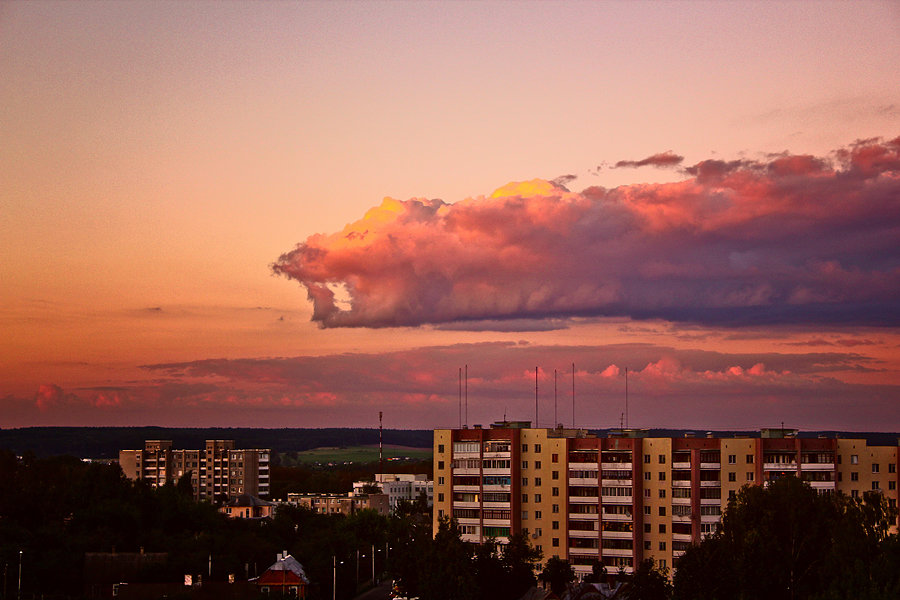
{"points": [[628, 496], [216, 471]]}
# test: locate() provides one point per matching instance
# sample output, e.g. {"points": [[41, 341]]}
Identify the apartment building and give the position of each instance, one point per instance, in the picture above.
{"points": [[627, 497], [340, 504], [400, 486], [219, 470]]}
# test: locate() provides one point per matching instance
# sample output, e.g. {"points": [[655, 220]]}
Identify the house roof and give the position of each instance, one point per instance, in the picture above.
{"points": [[245, 500], [286, 569]]}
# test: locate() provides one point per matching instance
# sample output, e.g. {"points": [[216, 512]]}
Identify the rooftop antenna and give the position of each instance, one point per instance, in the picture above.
{"points": [[467, 396], [555, 418], [535, 397], [380, 444], [573, 395], [459, 404], [621, 420], [626, 396]]}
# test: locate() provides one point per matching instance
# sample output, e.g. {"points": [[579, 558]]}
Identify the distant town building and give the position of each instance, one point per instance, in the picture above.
{"points": [[285, 578], [628, 496], [219, 470], [341, 504], [246, 506], [400, 486]]}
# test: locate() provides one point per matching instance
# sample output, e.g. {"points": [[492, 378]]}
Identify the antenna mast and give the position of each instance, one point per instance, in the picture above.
{"points": [[380, 444], [555, 418], [535, 397], [459, 403], [467, 396], [626, 396]]}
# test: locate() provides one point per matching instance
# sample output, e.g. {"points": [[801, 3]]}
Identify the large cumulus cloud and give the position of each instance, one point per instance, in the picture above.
{"points": [[788, 239]]}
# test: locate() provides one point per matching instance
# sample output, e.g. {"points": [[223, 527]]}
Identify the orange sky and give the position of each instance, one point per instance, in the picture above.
{"points": [[158, 159]]}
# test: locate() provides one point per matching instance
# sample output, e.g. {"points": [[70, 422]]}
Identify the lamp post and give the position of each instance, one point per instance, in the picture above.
{"points": [[334, 578], [373, 563], [19, 593]]}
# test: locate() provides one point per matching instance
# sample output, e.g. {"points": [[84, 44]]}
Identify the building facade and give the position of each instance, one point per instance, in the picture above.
{"points": [[219, 470], [400, 486], [340, 504], [627, 497]]}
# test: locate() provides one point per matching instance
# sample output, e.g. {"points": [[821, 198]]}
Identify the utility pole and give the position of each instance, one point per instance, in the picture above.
{"points": [[334, 577]]}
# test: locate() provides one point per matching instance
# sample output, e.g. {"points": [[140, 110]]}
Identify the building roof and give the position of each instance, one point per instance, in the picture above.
{"points": [[246, 500], [285, 570]]}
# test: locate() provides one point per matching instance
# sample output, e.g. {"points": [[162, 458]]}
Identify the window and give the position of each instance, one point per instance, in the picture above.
{"points": [[875, 467], [854, 493], [525, 481], [892, 485], [524, 515], [662, 527], [441, 480], [732, 495], [537, 481], [646, 510], [647, 493], [554, 525], [732, 477], [662, 493], [854, 476], [647, 459], [554, 475], [537, 515], [648, 476], [524, 447], [840, 476], [440, 513], [662, 476], [647, 528], [555, 542], [892, 468], [440, 447], [662, 511], [749, 476], [732, 459], [854, 459], [876, 485], [554, 458], [440, 464], [537, 497], [646, 545], [537, 447], [524, 498], [749, 459], [554, 491], [662, 459], [537, 464], [662, 546], [555, 508], [524, 464], [440, 497]]}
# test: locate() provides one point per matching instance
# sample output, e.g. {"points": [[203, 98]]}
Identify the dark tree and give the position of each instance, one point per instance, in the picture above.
{"points": [[557, 573]]}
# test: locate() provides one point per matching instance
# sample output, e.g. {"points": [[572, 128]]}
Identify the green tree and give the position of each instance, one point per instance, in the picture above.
{"points": [[649, 582], [557, 573]]}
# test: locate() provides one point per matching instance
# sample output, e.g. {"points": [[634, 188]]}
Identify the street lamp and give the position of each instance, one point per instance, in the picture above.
{"points": [[19, 593]]}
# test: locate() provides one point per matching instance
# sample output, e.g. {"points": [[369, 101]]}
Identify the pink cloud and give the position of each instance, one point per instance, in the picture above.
{"points": [[790, 240], [663, 159]]}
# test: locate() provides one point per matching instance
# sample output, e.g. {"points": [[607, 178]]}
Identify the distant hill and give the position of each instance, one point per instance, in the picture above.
{"points": [[105, 442]]}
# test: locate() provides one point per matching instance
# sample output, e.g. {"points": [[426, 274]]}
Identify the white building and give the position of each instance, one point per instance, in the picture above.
{"points": [[405, 486]]}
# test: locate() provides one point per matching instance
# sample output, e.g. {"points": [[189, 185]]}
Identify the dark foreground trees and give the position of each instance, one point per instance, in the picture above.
{"points": [[785, 542]]}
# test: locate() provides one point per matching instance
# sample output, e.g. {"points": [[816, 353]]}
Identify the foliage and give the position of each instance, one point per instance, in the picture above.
{"points": [[557, 573], [648, 582], [785, 541]]}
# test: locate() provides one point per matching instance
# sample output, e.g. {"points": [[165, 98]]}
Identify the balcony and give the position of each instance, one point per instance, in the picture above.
{"points": [[576, 533], [466, 471], [617, 535], [681, 537], [711, 465], [576, 481], [780, 466], [621, 466], [504, 471], [476, 504], [467, 488], [681, 483], [588, 552], [709, 484], [506, 454], [618, 499], [817, 467], [583, 516], [821, 485], [684, 466], [618, 552], [710, 501], [681, 518], [681, 501], [616, 517], [584, 499]]}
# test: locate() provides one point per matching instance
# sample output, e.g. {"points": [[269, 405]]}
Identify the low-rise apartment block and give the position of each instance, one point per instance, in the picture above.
{"points": [[627, 497], [400, 486], [340, 504], [219, 470]]}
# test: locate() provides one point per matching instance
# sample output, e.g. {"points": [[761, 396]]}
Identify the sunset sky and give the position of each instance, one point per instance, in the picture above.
{"points": [[299, 214]]}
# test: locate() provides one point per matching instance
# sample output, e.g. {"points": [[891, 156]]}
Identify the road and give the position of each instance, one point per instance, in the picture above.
{"points": [[380, 592]]}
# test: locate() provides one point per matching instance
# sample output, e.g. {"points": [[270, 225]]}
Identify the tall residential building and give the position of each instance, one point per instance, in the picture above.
{"points": [[627, 497], [218, 470]]}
